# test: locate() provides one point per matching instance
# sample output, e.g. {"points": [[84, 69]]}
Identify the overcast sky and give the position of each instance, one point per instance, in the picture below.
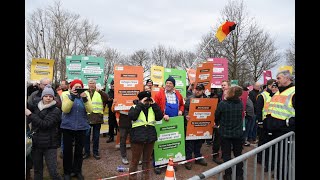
{"points": [[131, 25]]}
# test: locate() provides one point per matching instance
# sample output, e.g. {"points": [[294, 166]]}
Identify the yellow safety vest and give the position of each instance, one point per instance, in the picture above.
{"points": [[280, 105], [97, 104], [266, 99], [142, 121]]}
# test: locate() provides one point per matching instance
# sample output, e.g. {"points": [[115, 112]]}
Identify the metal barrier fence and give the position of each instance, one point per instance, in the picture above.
{"points": [[286, 170]]}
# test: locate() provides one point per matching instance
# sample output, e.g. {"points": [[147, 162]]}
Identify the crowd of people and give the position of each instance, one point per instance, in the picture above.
{"points": [[65, 116]]}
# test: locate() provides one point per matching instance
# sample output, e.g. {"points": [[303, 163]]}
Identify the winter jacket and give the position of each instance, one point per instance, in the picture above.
{"points": [[253, 94], [260, 105], [144, 134], [272, 124], [45, 125], [249, 108], [35, 98], [229, 116], [75, 109], [160, 99]]}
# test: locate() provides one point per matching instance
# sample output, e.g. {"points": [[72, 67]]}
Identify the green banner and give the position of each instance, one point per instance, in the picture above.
{"points": [[234, 82], [179, 76], [171, 141], [85, 68]]}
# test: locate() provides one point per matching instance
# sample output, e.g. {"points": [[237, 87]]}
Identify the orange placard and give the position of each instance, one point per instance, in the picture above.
{"points": [[128, 82], [201, 121], [204, 76], [191, 75], [118, 140]]}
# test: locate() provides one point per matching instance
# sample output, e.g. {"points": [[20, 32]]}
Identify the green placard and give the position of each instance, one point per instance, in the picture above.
{"points": [[85, 68], [179, 76], [171, 141], [234, 82]]}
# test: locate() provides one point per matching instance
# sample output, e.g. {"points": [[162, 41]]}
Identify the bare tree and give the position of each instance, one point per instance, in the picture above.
{"points": [[112, 57], [89, 36], [291, 56], [261, 54], [54, 33], [183, 59], [158, 55], [235, 47], [141, 58]]}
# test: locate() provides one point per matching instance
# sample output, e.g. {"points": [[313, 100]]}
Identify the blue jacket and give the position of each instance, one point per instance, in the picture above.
{"points": [[74, 112]]}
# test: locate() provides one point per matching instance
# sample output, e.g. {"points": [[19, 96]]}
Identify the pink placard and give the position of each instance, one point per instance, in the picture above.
{"points": [[220, 71], [266, 76]]}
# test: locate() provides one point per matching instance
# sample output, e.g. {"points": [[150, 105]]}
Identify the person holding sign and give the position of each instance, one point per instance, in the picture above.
{"points": [[170, 102], [194, 145], [143, 133], [228, 117]]}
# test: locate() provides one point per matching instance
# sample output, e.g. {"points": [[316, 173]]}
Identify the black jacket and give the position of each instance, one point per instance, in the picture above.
{"points": [[45, 124], [272, 124], [260, 104], [144, 134], [253, 94]]}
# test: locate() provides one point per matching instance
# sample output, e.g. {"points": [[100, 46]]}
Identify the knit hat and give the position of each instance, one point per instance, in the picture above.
{"points": [[170, 78], [47, 91], [200, 86], [149, 80], [76, 81], [144, 94]]}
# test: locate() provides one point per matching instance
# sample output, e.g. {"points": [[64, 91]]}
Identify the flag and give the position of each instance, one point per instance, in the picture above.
{"points": [[225, 29]]}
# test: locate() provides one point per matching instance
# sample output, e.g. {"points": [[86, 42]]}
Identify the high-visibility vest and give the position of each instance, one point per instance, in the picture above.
{"points": [[266, 101], [280, 105], [97, 104], [142, 121]]}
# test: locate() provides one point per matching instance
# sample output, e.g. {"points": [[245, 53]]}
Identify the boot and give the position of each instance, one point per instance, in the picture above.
{"points": [[110, 140]]}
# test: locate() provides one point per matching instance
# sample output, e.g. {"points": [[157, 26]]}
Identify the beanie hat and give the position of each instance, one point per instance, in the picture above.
{"points": [[76, 81], [170, 78], [149, 80], [200, 86], [47, 91], [144, 94]]}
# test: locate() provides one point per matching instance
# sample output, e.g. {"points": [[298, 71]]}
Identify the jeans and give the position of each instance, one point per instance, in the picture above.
{"points": [[138, 149], [252, 128], [248, 123], [95, 138]]}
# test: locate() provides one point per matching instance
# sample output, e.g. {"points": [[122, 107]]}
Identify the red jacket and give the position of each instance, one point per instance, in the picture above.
{"points": [[160, 99]]}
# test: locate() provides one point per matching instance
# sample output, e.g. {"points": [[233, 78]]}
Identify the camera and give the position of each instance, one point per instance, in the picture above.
{"points": [[149, 99]]}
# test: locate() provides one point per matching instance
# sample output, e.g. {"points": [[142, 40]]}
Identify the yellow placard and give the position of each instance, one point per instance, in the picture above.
{"points": [[41, 68], [157, 75], [282, 68]]}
